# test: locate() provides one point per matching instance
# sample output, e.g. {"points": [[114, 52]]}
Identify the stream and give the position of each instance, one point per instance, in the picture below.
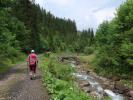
{"points": [[95, 86], [98, 88]]}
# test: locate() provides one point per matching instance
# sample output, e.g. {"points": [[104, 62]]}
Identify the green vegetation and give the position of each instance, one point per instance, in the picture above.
{"points": [[32, 27], [114, 43], [128, 83], [7, 63], [59, 80], [47, 32], [107, 98], [87, 58], [9, 45]]}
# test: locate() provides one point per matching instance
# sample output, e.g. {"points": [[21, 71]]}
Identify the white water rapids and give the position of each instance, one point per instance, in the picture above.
{"points": [[95, 85]]}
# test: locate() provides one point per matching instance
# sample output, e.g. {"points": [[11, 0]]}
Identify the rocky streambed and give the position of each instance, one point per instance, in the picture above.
{"points": [[97, 86]]}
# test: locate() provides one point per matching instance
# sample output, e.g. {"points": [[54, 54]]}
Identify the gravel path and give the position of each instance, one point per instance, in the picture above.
{"points": [[16, 85]]}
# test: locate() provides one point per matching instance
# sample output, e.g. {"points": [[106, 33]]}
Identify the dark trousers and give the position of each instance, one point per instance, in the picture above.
{"points": [[33, 68]]}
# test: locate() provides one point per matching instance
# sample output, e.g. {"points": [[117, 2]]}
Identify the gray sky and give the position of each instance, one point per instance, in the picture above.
{"points": [[86, 13]]}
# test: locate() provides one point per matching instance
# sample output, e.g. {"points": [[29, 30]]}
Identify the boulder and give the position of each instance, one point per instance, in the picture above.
{"points": [[86, 89], [84, 84], [116, 78], [94, 94], [130, 93], [88, 72], [121, 88]]}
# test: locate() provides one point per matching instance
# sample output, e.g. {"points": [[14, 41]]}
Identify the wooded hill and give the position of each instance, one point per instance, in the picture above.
{"points": [[35, 28], [114, 42], [24, 25]]}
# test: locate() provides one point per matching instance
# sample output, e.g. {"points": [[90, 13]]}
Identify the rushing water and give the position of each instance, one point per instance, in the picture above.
{"points": [[96, 86], [113, 95]]}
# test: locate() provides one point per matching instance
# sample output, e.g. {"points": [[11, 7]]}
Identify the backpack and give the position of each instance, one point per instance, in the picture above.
{"points": [[32, 59]]}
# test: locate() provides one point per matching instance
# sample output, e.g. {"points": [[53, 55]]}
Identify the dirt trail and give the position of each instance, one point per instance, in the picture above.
{"points": [[16, 85]]}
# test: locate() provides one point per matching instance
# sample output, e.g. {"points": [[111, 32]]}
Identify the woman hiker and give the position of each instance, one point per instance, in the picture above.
{"points": [[32, 63]]}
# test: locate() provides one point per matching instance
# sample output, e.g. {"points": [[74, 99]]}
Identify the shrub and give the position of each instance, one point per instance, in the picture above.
{"points": [[58, 79], [88, 50]]}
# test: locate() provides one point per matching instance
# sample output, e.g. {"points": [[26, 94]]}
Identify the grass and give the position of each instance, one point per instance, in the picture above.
{"points": [[4, 69], [7, 63], [128, 83], [58, 79], [107, 98], [87, 58]]}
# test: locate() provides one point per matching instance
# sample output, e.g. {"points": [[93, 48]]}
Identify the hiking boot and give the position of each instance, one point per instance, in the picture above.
{"points": [[31, 78]]}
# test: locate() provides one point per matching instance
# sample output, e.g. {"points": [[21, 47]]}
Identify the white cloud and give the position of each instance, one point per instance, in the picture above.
{"points": [[61, 2], [86, 13], [105, 14]]}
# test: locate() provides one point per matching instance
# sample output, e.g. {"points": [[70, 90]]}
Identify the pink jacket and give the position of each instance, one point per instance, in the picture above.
{"points": [[32, 59]]}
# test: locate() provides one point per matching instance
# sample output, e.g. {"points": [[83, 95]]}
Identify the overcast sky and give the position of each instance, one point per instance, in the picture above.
{"points": [[86, 13]]}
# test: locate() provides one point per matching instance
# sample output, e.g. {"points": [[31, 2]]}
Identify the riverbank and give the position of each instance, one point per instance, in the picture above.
{"points": [[59, 80], [123, 85]]}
